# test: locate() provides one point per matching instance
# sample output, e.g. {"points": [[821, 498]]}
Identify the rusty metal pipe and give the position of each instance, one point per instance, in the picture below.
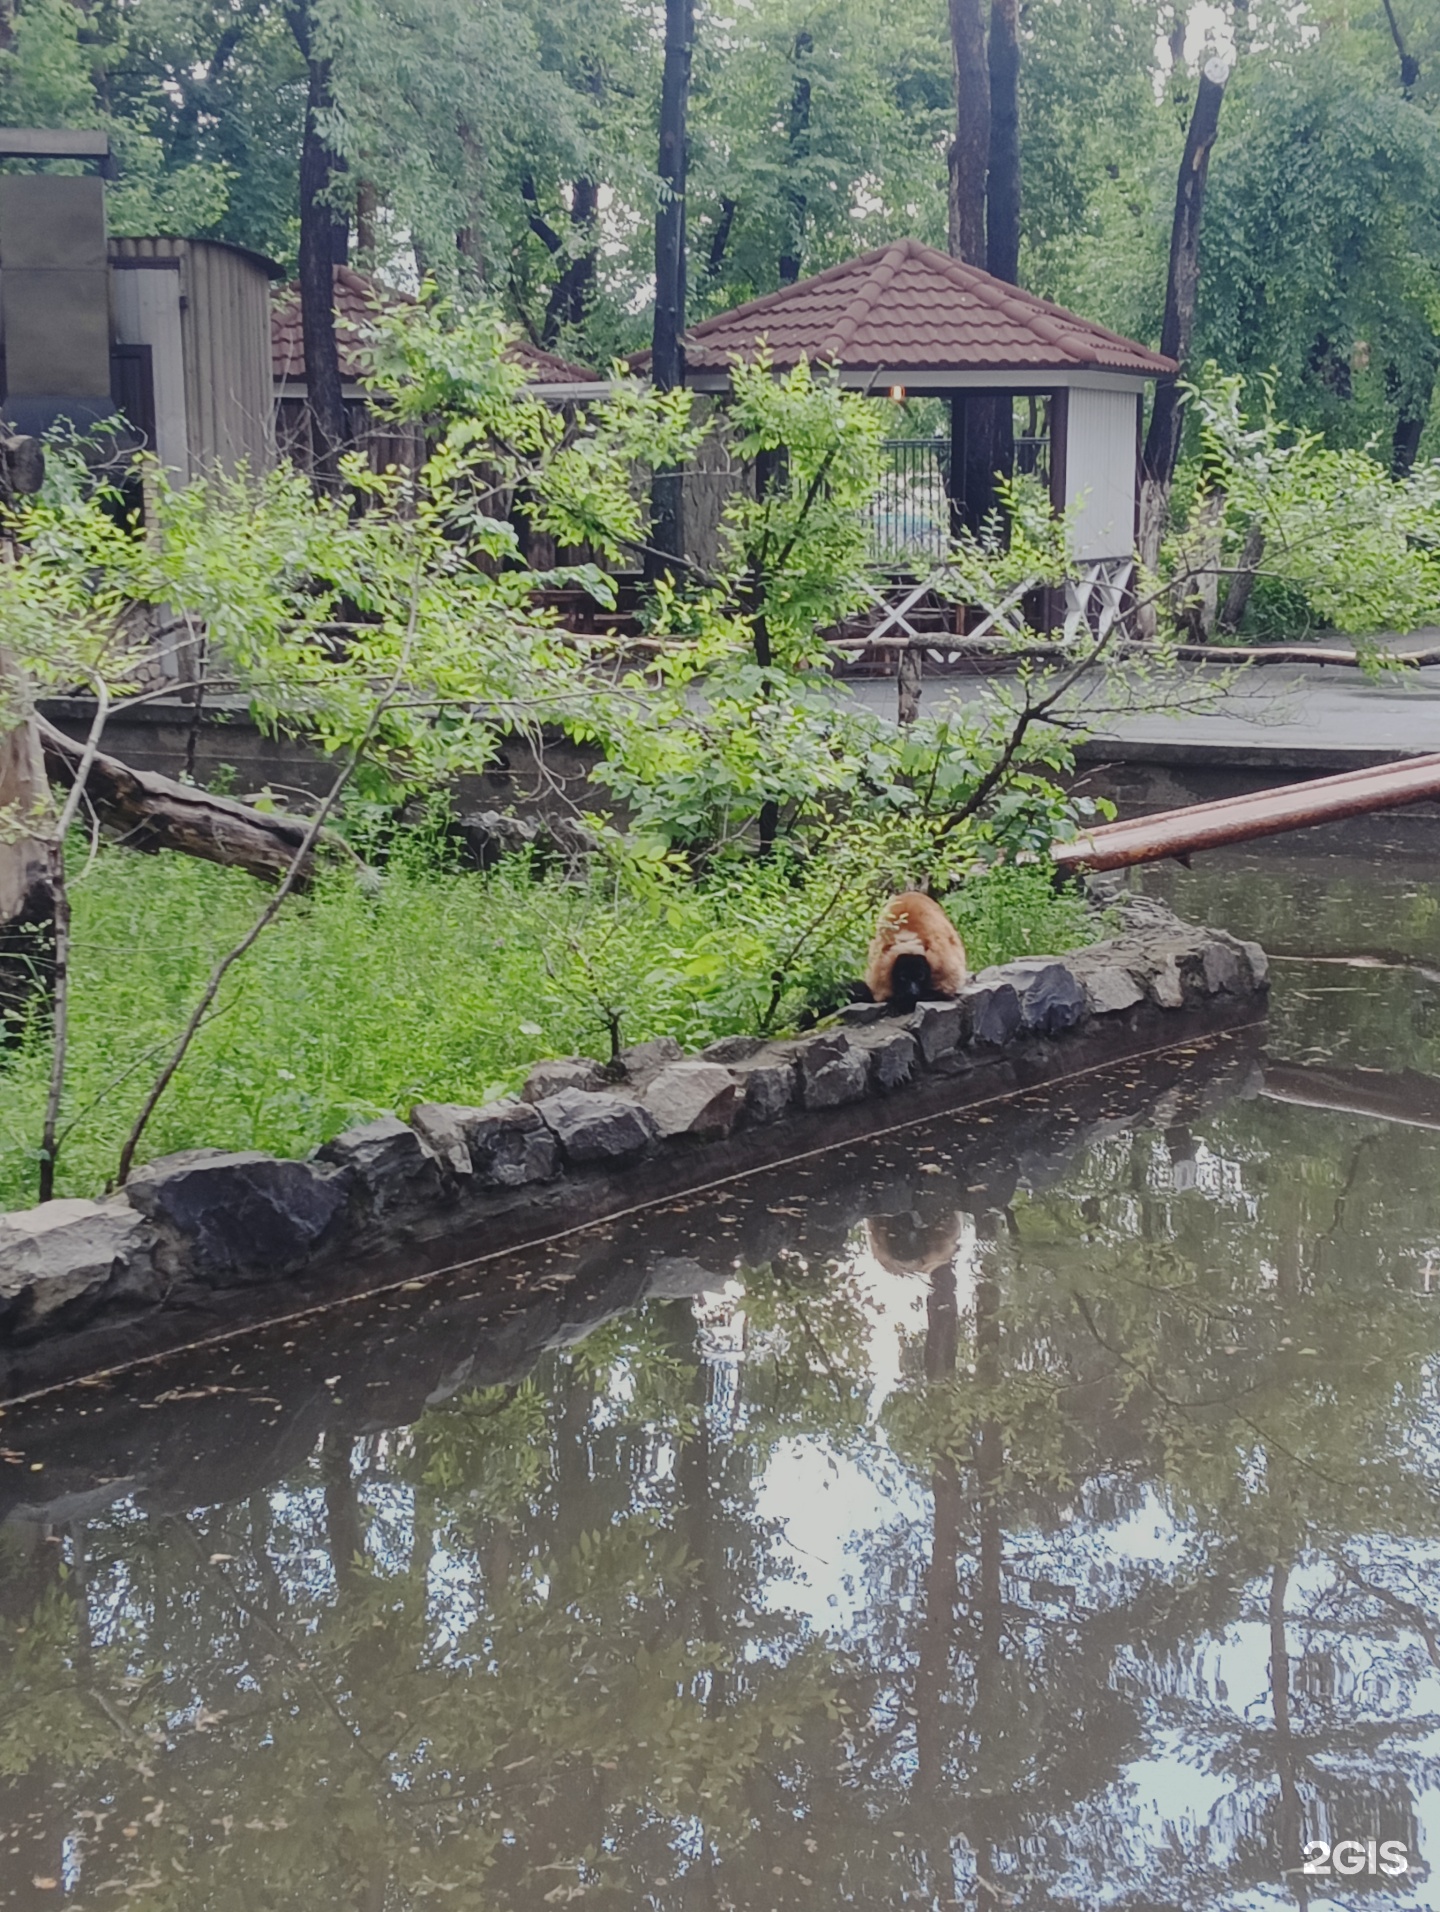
{"points": [[1209, 826]]}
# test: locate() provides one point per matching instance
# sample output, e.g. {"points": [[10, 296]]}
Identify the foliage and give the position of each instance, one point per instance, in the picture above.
{"points": [[1321, 253], [1360, 549], [429, 569], [437, 985]]}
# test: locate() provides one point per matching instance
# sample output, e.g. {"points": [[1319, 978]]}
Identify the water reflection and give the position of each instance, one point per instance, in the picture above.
{"points": [[1042, 1517]]}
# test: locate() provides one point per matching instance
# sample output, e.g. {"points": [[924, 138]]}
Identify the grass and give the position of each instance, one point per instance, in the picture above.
{"points": [[439, 985]]}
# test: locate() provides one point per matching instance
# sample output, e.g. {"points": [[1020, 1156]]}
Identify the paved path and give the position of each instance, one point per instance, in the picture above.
{"points": [[1281, 716]]}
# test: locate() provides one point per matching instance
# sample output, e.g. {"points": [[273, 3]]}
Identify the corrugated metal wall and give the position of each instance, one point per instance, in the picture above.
{"points": [[225, 330]]}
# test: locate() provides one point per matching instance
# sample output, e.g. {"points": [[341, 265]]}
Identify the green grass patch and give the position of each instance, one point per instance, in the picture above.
{"points": [[435, 985]]}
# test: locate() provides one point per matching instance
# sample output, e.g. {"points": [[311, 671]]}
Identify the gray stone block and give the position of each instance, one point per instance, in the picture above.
{"points": [[65, 1260], [769, 1080], [597, 1129], [833, 1071], [1109, 986], [509, 1144], [939, 1028], [1225, 970], [644, 1061], [893, 1057], [441, 1127], [239, 1218], [732, 1049], [701, 1099], [861, 1015], [391, 1166], [567, 1072]]}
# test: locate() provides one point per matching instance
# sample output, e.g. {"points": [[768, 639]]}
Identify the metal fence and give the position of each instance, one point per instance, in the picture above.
{"points": [[910, 517]]}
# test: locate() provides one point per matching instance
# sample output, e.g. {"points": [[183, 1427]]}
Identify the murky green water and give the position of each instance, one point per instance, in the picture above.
{"points": [[1039, 1513]]}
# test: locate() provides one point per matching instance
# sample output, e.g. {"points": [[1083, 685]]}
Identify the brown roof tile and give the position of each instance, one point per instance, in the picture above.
{"points": [[357, 299], [906, 307], [548, 368]]}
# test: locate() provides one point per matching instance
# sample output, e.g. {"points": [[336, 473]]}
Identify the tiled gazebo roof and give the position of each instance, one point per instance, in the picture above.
{"points": [[357, 299], [906, 308]]}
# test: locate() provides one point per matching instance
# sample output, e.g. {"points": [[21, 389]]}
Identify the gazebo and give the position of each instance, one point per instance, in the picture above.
{"points": [[909, 322]]}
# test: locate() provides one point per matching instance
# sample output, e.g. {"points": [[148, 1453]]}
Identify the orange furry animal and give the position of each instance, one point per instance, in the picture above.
{"points": [[916, 953]]}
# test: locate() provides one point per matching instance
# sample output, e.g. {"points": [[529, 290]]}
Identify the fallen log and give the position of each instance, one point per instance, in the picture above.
{"points": [[145, 811], [1296, 654]]}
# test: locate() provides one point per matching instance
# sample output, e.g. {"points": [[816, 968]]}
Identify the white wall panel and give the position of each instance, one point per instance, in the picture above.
{"points": [[1101, 470], [147, 312]]}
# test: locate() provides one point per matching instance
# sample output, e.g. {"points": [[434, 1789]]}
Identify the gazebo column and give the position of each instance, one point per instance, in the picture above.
{"points": [[982, 444]]}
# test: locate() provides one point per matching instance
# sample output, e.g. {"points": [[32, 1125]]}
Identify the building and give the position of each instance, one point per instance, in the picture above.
{"points": [[171, 333], [1015, 372], [357, 299]]}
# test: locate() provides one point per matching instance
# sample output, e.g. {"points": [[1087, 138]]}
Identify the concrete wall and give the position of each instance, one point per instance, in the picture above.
{"points": [[54, 300]]}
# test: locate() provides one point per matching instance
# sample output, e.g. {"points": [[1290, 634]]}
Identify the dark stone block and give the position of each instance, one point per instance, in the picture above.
{"points": [[240, 1218], [994, 1012], [833, 1071], [510, 1145], [389, 1163], [1052, 999], [769, 1081], [592, 1129]]}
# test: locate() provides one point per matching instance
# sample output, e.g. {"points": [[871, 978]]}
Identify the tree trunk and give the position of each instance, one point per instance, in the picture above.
{"points": [[909, 676], [1002, 193], [322, 246], [367, 208], [1409, 427], [1162, 440], [970, 149], [1237, 598], [150, 812], [667, 533], [27, 892], [798, 138], [1197, 589], [720, 239], [469, 243]]}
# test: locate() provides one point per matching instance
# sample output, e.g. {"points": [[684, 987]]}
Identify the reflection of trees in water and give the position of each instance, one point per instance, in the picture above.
{"points": [[542, 1639]]}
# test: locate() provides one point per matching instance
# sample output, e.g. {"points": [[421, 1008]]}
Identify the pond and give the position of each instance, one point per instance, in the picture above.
{"points": [[1034, 1508]]}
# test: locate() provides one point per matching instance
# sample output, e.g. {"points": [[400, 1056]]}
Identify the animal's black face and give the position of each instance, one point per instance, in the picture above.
{"points": [[910, 983]]}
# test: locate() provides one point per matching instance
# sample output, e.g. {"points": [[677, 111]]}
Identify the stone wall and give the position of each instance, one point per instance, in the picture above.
{"points": [[201, 1426], [205, 1240]]}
